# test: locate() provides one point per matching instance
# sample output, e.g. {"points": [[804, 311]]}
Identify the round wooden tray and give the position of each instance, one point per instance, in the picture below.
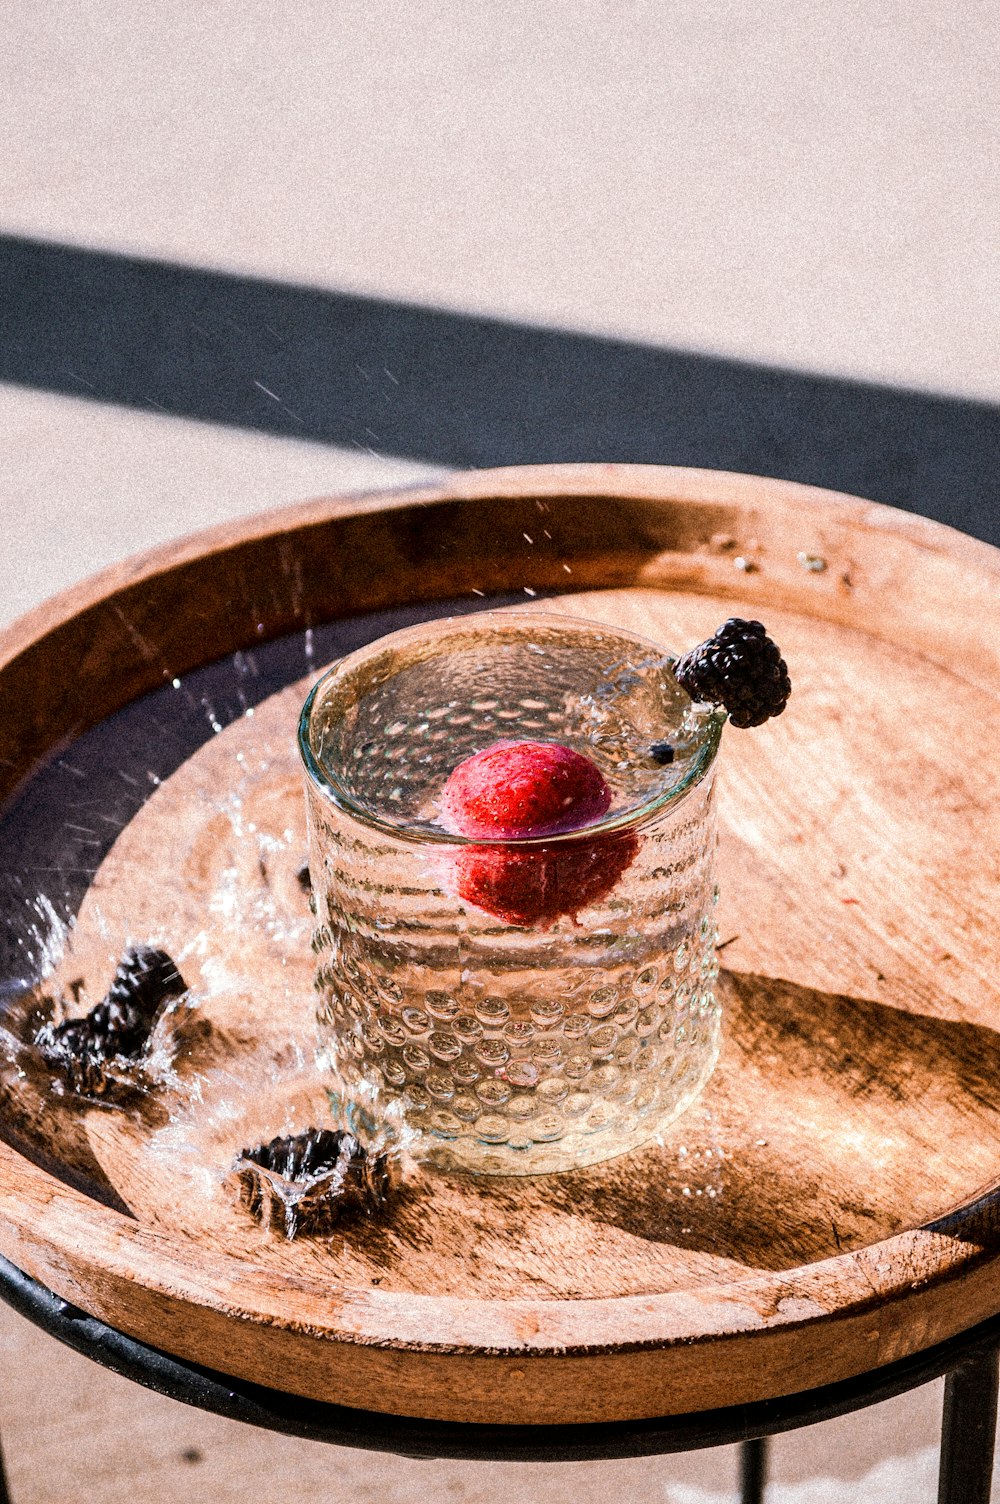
{"points": [[828, 1207]]}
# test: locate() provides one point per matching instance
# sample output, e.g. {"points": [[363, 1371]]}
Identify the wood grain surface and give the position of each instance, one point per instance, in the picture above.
{"points": [[830, 1203]]}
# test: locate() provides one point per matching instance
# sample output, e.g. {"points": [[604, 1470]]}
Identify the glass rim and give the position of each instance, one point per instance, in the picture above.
{"points": [[334, 791]]}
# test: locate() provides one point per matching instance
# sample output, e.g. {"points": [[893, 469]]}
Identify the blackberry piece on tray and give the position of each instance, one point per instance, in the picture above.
{"points": [[102, 1054], [307, 1183]]}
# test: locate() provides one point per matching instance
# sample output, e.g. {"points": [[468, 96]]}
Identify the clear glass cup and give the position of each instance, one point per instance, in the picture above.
{"points": [[523, 1006]]}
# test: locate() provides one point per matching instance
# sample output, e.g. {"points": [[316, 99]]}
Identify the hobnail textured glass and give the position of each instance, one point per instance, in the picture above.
{"points": [[484, 1045]]}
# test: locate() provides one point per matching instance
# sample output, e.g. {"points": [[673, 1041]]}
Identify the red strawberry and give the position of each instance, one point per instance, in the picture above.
{"points": [[517, 789], [537, 886]]}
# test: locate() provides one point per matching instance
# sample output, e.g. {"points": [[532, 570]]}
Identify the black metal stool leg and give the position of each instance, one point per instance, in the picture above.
{"points": [[753, 1470], [968, 1431], [4, 1491]]}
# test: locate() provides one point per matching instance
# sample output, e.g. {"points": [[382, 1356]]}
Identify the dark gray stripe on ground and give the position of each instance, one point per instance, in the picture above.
{"points": [[465, 391]]}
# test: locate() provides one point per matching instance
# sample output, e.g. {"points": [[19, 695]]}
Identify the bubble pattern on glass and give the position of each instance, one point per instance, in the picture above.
{"points": [[519, 1051], [514, 1050]]}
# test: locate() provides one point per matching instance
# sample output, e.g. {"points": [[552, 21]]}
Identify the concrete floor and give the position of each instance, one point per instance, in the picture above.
{"points": [[810, 185], [806, 186]]}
